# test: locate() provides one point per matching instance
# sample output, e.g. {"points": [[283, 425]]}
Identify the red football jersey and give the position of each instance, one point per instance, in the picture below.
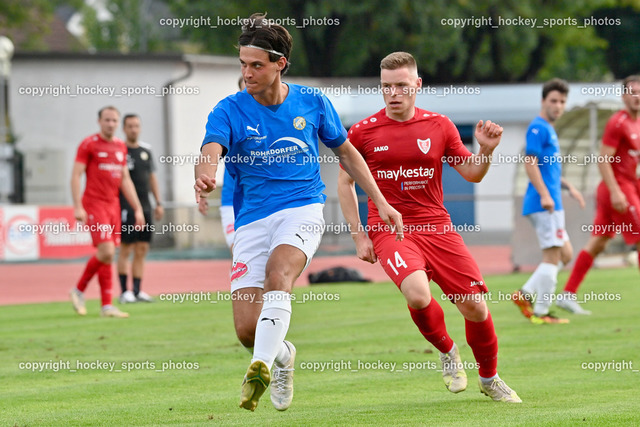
{"points": [[104, 160], [405, 159], [623, 134]]}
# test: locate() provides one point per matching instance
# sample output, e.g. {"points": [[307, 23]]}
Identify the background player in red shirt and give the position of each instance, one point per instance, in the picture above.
{"points": [[618, 195], [405, 148], [103, 158]]}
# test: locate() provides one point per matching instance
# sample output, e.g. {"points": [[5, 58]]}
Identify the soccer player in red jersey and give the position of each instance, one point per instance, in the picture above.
{"points": [[618, 195], [103, 158], [405, 148]]}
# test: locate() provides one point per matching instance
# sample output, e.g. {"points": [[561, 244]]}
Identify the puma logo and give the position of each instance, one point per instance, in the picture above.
{"points": [[254, 129], [273, 320], [303, 240]]}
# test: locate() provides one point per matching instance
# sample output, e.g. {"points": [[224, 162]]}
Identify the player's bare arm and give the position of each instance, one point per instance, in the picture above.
{"points": [[476, 167], [618, 199], [205, 174], [349, 206], [129, 192], [155, 189], [76, 176], [573, 191], [355, 166]]}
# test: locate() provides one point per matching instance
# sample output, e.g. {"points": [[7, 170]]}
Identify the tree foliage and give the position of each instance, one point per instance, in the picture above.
{"points": [[454, 41], [131, 27], [475, 52], [33, 17]]}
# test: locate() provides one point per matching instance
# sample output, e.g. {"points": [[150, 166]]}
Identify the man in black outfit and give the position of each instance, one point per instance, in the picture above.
{"points": [[142, 171]]}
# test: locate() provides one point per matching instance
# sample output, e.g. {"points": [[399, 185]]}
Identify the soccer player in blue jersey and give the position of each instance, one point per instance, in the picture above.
{"points": [[543, 205], [227, 216], [269, 136]]}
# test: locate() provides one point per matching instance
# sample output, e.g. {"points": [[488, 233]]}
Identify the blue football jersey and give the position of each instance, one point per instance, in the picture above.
{"points": [[271, 152], [542, 142]]}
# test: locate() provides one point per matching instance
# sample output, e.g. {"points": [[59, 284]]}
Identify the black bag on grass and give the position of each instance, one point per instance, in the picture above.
{"points": [[337, 274]]}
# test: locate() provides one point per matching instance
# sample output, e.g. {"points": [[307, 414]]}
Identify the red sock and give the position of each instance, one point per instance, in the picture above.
{"points": [[580, 269], [92, 266], [104, 278], [430, 322], [483, 341]]}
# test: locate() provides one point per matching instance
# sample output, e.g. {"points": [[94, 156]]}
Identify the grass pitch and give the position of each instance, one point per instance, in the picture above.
{"points": [[361, 361]]}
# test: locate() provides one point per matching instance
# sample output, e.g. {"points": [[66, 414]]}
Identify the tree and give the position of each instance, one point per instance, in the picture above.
{"points": [[31, 17], [349, 38], [128, 26], [621, 29]]}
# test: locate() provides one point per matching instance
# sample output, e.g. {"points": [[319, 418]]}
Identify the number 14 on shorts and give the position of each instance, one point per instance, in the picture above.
{"points": [[399, 262]]}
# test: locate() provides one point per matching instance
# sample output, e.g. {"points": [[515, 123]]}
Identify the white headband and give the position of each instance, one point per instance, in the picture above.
{"points": [[261, 48]]}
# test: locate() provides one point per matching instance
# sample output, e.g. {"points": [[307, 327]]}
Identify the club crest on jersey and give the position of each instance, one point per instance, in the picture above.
{"points": [[424, 145], [119, 156], [299, 123], [144, 156]]}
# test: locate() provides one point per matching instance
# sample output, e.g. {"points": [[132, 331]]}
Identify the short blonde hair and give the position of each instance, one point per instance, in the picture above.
{"points": [[396, 60]]}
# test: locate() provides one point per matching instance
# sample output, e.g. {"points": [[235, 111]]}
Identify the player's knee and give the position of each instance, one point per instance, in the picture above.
{"points": [[418, 301], [275, 280], [475, 311], [124, 252], [105, 258], [141, 251], [246, 335], [106, 254]]}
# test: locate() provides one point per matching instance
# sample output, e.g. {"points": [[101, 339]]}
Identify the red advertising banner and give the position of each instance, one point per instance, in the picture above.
{"points": [[60, 235]]}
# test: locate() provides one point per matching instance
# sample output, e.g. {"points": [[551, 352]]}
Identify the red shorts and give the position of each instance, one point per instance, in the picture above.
{"points": [[444, 257], [608, 221], [103, 222]]}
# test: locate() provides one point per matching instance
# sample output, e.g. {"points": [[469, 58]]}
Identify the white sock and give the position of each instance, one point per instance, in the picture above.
{"points": [[283, 356], [488, 380], [272, 326], [531, 286], [546, 288], [452, 348]]}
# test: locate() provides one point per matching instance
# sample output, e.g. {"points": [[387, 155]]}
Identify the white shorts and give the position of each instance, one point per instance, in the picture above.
{"points": [[301, 227], [227, 217], [550, 228]]}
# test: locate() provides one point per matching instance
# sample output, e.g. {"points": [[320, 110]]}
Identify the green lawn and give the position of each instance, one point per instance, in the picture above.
{"points": [[547, 365]]}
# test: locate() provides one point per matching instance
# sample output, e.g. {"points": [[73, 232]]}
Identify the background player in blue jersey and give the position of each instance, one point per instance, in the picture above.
{"points": [[543, 205], [227, 217], [226, 199], [269, 134]]}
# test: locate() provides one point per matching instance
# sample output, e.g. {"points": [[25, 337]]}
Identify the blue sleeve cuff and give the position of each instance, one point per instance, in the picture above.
{"points": [[338, 141], [217, 139]]}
